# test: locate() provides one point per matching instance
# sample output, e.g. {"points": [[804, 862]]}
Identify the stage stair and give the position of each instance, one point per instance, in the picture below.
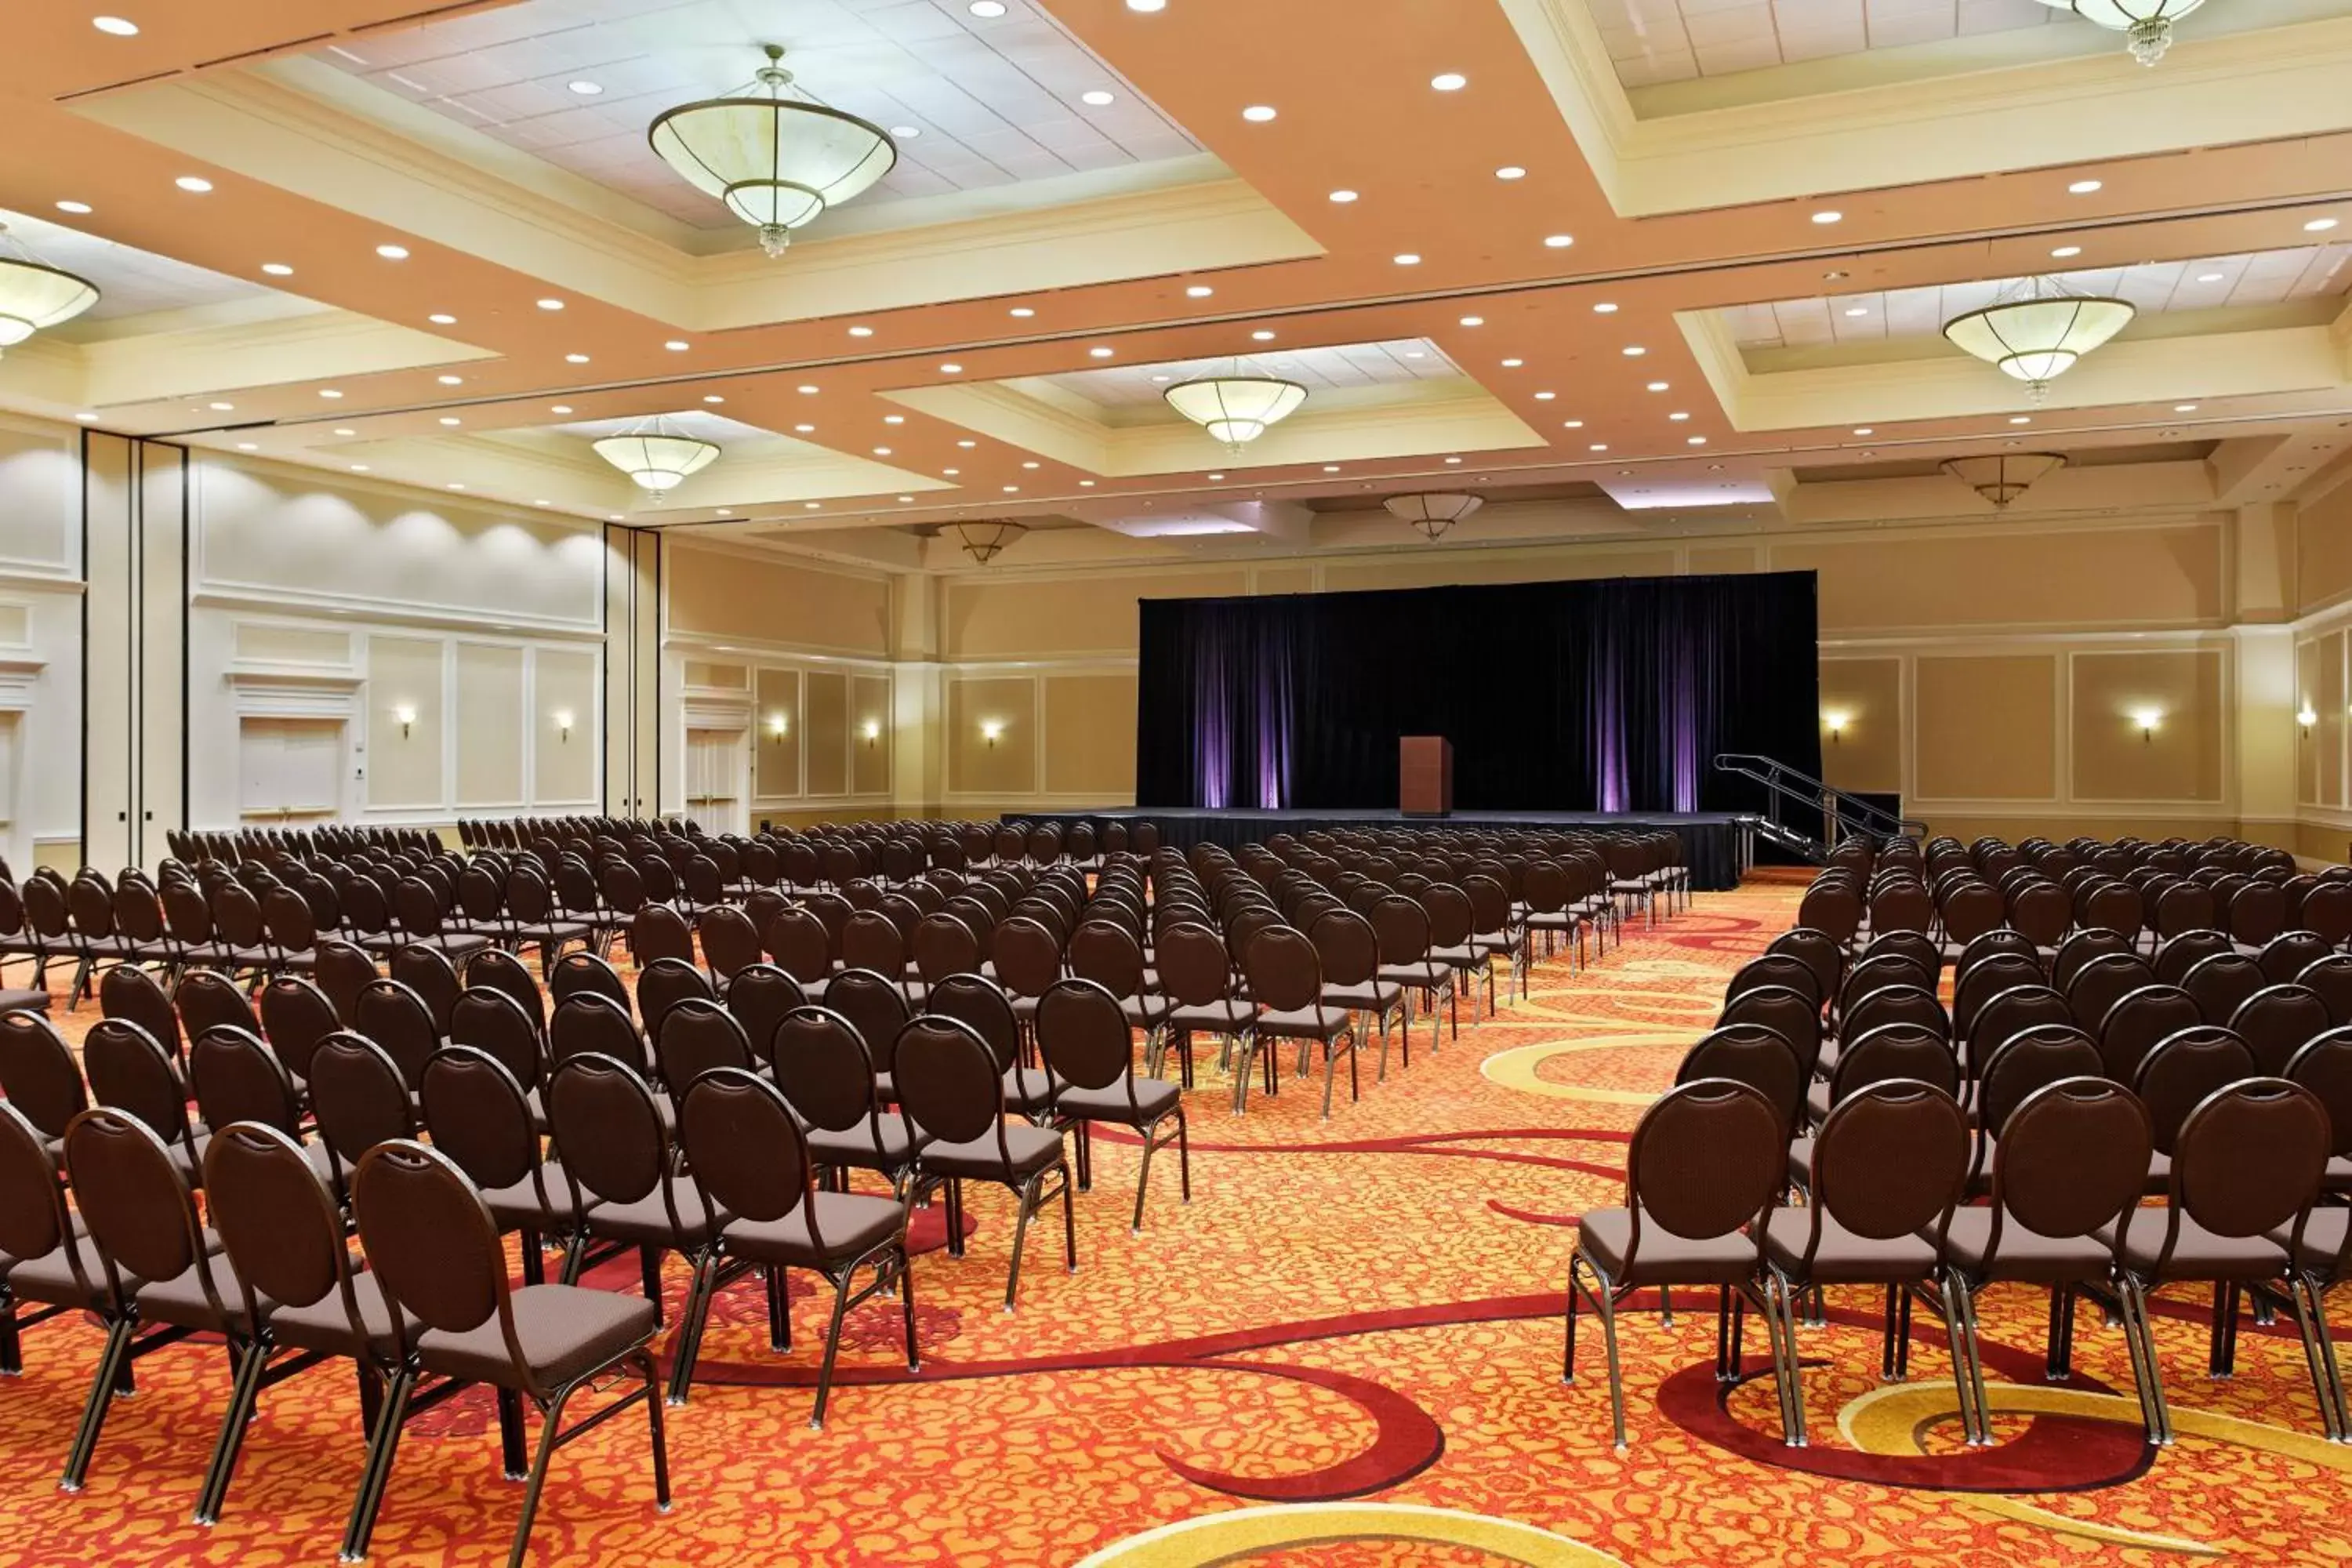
{"points": [[1840, 813]]}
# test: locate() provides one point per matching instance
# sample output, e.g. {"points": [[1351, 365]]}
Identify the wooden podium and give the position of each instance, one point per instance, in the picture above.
{"points": [[1424, 776]]}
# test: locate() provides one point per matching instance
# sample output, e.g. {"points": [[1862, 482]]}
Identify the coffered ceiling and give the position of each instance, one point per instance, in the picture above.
{"points": [[1675, 264]]}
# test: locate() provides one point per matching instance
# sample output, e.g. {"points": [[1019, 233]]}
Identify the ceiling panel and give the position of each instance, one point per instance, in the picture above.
{"points": [[2262, 277], [1316, 369], [974, 104]]}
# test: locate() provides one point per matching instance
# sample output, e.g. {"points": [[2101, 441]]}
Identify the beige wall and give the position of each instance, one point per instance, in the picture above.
{"points": [[1867, 751], [740, 598]]}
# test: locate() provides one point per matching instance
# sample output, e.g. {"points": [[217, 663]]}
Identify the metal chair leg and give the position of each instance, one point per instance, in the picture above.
{"points": [[383, 1445], [551, 1426], [243, 1390], [1027, 1194], [832, 1350], [111, 1362]]}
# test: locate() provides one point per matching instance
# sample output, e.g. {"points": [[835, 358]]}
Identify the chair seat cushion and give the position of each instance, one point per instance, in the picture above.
{"points": [[850, 1223], [564, 1331], [646, 1222], [1030, 1088], [2323, 1242], [181, 1300], [517, 1207], [1660, 1257], [876, 1143], [1304, 1023], [1373, 996], [1154, 1098], [1426, 973], [1220, 1017], [1467, 956], [2023, 1253], [1146, 1012], [2197, 1253], [2338, 1180], [16, 999], [1843, 1258], [324, 1325], [1031, 1150]]}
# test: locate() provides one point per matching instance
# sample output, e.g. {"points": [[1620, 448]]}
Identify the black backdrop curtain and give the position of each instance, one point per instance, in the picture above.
{"points": [[1607, 695]]}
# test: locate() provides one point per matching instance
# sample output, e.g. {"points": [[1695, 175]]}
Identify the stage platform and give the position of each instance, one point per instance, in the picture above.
{"points": [[1717, 845]]}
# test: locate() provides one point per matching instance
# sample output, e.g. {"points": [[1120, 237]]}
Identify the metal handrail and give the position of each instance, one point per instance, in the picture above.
{"points": [[1806, 790]]}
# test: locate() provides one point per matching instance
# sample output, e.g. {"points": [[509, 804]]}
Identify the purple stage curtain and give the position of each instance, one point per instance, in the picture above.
{"points": [[1609, 695]]}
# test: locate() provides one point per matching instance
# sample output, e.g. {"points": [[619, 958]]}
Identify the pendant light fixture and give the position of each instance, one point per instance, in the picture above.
{"points": [[2001, 480], [984, 542], [2145, 24], [1433, 514], [1236, 408], [778, 163], [2037, 332], [33, 294], [656, 455]]}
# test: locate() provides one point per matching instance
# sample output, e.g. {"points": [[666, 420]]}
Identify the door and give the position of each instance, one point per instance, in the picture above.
{"points": [[289, 770], [716, 779]]}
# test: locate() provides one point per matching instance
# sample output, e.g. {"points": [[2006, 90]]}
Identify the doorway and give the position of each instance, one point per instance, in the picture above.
{"points": [[289, 770], [718, 779]]}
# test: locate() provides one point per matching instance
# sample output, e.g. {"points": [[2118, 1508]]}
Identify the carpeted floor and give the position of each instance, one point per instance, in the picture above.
{"points": [[1344, 1352]]}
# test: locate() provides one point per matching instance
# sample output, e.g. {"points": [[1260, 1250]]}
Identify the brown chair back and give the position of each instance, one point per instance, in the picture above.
{"points": [[238, 1078], [972, 1000], [822, 1064], [602, 1115], [2182, 1070], [696, 1036], [476, 1113], [2071, 1156], [38, 1075], [490, 1020], [746, 1150], [2276, 1022], [1709, 1157], [1750, 1054]]}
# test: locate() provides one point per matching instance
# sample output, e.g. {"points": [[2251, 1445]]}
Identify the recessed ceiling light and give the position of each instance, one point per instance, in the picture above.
{"points": [[881, 451], [1678, 416], [812, 505], [392, 252], [359, 467], [450, 380], [1162, 380], [1198, 292], [1634, 351], [1512, 364], [561, 408], [1657, 387], [1261, 336], [442, 319], [729, 511], [680, 345], [455, 486], [1258, 113], [328, 391], [1343, 197], [551, 305], [1031, 464], [1013, 489], [1146, 4], [2063, 251], [1694, 441], [712, 398], [1827, 215], [542, 501], [1857, 310], [905, 133], [76, 208], [1085, 484], [1604, 309], [806, 390], [854, 332], [967, 446], [1408, 258], [1414, 353], [449, 419], [1099, 98], [277, 269], [1598, 447], [1449, 81], [1546, 397], [575, 359], [1571, 424], [950, 368], [894, 419], [223, 407], [2184, 408], [804, 430], [991, 8], [1330, 467], [2082, 187], [197, 184], [1510, 172], [345, 430], [1473, 321], [1099, 353], [1864, 429], [120, 26], [2020, 420], [246, 447], [585, 89], [951, 473], [2319, 226], [1559, 241], [1453, 460], [2209, 278], [1022, 313]]}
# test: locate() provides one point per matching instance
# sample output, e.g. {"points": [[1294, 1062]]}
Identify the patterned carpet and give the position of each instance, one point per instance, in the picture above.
{"points": [[1344, 1352]]}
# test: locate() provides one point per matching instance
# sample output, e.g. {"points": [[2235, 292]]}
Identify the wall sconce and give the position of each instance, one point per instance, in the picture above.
{"points": [[776, 727], [2304, 718], [873, 731], [990, 729], [1837, 720], [406, 714], [2147, 719], [562, 717]]}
